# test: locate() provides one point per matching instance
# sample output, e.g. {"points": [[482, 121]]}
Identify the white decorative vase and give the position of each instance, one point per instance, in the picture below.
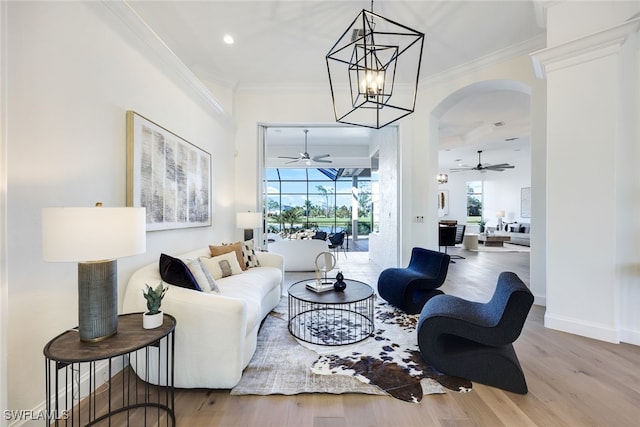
{"points": [[151, 321]]}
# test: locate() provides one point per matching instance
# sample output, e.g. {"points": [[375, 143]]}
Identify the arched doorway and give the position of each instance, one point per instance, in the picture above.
{"points": [[493, 117]]}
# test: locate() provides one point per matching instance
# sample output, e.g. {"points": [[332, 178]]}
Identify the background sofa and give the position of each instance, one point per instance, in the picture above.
{"points": [[519, 233], [216, 332], [299, 254]]}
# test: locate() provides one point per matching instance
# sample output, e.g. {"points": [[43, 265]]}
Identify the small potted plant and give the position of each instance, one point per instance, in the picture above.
{"points": [[153, 318], [481, 225]]}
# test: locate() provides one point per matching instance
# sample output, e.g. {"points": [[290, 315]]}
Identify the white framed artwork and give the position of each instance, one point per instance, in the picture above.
{"points": [[443, 203], [167, 175]]}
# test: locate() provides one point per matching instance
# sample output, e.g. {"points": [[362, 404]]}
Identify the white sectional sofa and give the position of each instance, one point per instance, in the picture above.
{"points": [[520, 233], [216, 333], [299, 254]]}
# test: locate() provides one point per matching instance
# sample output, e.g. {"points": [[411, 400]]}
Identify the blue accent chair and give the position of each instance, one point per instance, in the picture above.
{"points": [[336, 242], [474, 340], [320, 235], [410, 288]]}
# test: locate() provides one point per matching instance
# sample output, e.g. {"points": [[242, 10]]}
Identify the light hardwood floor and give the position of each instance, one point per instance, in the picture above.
{"points": [[573, 381]]}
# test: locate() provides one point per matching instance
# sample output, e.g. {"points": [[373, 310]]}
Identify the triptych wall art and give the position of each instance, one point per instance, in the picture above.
{"points": [[167, 175]]}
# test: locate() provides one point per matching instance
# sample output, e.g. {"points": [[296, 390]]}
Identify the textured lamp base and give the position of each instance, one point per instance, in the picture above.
{"points": [[97, 300]]}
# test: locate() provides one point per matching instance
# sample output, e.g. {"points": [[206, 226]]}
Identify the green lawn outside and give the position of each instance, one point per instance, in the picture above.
{"points": [[327, 223]]}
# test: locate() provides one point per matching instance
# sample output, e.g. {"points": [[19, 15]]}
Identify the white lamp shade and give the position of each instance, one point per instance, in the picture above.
{"points": [[248, 219], [500, 214], [92, 233]]}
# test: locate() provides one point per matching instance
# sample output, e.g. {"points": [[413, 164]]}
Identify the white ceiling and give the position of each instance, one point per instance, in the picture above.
{"points": [[285, 42]]}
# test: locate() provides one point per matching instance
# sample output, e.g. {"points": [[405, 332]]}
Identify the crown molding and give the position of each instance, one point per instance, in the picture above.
{"points": [[511, 52], [170, 63], [508, 53], [283, 87], [588, 48]]}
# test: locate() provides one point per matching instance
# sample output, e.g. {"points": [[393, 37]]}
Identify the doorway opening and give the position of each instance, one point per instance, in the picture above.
{"points": [[325, 180]]}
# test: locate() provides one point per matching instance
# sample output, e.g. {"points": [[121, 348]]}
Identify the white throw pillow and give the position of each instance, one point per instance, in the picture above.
{"points": [[203, 276], [222, 265]]}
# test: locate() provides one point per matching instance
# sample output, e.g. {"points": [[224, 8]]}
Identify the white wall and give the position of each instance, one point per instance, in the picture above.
{"points": [[279, 105], [383, 248], [592, 71], [4, 286], [71, 79]]}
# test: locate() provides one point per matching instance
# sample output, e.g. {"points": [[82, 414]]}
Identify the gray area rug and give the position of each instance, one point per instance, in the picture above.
{"points": [[281, 365], [387, 363]]}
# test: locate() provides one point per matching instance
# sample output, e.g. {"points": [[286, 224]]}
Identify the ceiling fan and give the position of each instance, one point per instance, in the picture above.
{"points": [[486, 167], [305, 155]]}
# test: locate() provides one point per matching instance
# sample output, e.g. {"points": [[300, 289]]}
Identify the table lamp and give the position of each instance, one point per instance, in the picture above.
{"points": [[500, 215], [94, 237], [248, 221]]}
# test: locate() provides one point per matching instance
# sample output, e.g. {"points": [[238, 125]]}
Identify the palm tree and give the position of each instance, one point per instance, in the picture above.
{"points": [[272, 205], [291, 216], [364, 203], [307, 207], [325, 192]]}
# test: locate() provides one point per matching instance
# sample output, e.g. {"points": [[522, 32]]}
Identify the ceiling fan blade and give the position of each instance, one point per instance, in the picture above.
{"points": [[499, 167], [461, 169], [305, 155]]}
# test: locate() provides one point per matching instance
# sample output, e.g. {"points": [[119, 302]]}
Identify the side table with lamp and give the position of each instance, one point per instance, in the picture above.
{"points": [[94, 237]]}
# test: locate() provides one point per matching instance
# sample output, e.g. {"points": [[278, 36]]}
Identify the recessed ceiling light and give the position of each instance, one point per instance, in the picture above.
{"points": [[228, 39]]}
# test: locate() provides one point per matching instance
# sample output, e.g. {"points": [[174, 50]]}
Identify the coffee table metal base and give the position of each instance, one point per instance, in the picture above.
{"points": [[328, 321]]}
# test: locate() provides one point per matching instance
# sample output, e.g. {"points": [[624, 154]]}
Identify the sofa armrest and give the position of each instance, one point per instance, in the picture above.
{"points": [[210, 327], [268, 259]]}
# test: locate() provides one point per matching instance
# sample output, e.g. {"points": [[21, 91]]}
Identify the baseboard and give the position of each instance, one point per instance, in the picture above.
{"points": [[630, 337], [578, 327], [540, 300], [23, 416]]}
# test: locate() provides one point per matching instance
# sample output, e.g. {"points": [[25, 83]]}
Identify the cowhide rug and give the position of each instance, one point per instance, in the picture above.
{"points": [[389, 359], [388, 363]]}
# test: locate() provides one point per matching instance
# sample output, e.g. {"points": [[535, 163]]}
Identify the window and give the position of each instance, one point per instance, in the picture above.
{"points": [[474, 202], [316, 199]]}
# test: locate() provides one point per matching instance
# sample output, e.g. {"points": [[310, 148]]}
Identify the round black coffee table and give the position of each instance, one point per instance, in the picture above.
{"points": [[331, 317]]}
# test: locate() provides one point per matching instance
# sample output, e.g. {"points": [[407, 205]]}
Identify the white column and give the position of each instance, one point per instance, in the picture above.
{"points": [[589, 143]]}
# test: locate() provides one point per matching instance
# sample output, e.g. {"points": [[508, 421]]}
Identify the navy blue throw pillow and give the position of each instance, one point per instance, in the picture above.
{"points": [[176, 272]]}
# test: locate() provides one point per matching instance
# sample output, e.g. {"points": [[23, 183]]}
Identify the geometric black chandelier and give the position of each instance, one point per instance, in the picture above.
{"points": [[374, 69]]}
